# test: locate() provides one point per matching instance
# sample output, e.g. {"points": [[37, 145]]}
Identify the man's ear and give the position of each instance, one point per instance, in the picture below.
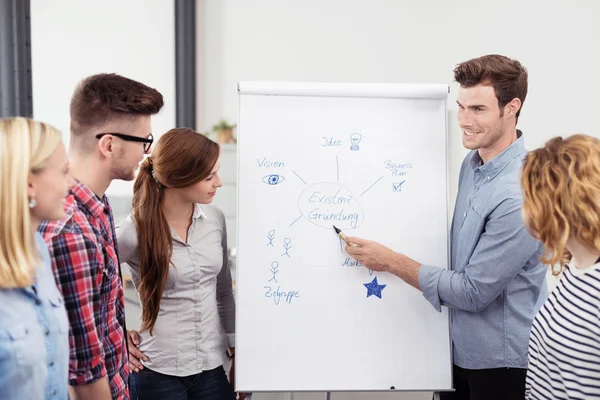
{"points": [[106, 144], [513, 107]]}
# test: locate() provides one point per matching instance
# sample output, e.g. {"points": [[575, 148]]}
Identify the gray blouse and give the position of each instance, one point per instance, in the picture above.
{"points": [[196, 320]]}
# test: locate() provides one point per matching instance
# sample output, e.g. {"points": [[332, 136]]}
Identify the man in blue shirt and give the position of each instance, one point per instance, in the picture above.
{"points": [[494, 285]]}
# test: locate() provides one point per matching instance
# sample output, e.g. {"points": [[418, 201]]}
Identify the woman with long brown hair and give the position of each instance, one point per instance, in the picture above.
{"points": [[561, 185], [175, 244]]}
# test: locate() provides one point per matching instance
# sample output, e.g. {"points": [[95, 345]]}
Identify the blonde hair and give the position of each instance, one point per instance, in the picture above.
{"points": [[561, 187], [25, 145]]}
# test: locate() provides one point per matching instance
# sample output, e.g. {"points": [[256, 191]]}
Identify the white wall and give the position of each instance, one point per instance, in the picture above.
{"points": [[408, 41], [404, 41], [72, 39], [323, 40]]}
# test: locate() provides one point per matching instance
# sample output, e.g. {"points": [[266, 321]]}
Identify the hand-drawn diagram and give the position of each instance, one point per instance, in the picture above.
{"points": [[355, 140], [330, 202], [274, 270], [271, 236], [397, 186], [273, 179], [287, 246], [275, 292], [374, 288]]}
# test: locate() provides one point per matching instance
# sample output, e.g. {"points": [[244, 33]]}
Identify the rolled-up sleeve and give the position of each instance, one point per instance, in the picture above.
{"points": [[502, 251], [429, 278]]}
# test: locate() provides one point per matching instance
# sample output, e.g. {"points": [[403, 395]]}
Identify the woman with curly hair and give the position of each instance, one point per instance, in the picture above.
{"points": [[561, 184]]}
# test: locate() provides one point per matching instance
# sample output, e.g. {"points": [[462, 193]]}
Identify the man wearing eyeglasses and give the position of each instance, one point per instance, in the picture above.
{"points": [[147, 143], [110, 133]]}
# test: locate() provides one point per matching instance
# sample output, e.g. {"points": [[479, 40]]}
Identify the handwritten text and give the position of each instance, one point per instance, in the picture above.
{"points": [[396, 169], [326, 215], [349, 262], [277, 295], [265, 163], [318, 197], [331, 142]]}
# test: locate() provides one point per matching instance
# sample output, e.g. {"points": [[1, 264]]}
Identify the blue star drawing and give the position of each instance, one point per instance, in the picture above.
{"points": [[373, 288]]}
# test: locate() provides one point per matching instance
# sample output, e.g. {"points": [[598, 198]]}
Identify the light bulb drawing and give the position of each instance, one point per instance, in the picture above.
{"points": [[355, 140]]}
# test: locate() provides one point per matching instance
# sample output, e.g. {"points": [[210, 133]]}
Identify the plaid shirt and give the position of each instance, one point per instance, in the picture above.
{"points": [[86, 267]]}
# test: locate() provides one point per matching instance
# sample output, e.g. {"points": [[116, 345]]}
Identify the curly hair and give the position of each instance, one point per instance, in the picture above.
{"points": [[561, 187]]}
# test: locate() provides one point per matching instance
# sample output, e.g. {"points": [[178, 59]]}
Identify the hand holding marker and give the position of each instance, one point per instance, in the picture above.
{"points": [[342, 236]]}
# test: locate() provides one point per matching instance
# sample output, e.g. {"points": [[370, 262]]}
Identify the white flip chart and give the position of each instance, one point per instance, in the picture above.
{"points": [[372, 160]]}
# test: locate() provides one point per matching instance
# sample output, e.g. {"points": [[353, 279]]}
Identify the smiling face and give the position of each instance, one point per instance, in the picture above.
{"points": [[204, 191], [50, 185], [485, 126]]}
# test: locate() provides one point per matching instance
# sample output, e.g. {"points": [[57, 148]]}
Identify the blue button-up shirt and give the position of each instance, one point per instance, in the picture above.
{"points": [[34, 338], [496, 282]]}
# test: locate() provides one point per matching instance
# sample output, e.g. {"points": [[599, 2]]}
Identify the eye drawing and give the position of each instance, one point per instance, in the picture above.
{"points": [[273, 179]]}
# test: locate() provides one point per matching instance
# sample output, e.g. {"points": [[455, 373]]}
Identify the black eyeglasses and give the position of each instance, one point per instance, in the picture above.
{"points": [[147, 141]]}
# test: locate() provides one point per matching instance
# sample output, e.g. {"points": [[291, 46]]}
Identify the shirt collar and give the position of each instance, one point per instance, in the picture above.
{"points": [[579, 272], [498, 163], [198, 212], [96, 205]]}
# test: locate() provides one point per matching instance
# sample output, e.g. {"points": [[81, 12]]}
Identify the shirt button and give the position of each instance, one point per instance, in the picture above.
{"points": [[38, 302], [47, 332], [54, 392], [52, 363], [488, 177], [465, 214]]}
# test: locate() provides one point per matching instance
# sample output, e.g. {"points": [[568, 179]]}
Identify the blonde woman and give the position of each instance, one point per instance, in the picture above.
{"points": [[34, 342], [561, 184]]}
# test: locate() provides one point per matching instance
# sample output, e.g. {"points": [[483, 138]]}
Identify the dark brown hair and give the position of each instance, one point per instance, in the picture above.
{"points": [[507, 76], [182, 157], [100, 98]]}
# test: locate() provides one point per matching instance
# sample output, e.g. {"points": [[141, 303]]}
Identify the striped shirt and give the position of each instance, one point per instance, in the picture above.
{"points": [[564, 346]]}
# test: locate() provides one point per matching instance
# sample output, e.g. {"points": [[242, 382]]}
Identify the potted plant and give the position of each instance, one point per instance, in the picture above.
{"points": [[224, 132]]}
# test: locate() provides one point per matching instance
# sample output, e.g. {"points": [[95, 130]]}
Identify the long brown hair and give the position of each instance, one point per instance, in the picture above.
{"points": [[182, 157], [561, 187]]}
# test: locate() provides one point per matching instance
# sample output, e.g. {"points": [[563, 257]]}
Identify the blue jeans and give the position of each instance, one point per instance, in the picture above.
{"points": [[207, 385]]}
